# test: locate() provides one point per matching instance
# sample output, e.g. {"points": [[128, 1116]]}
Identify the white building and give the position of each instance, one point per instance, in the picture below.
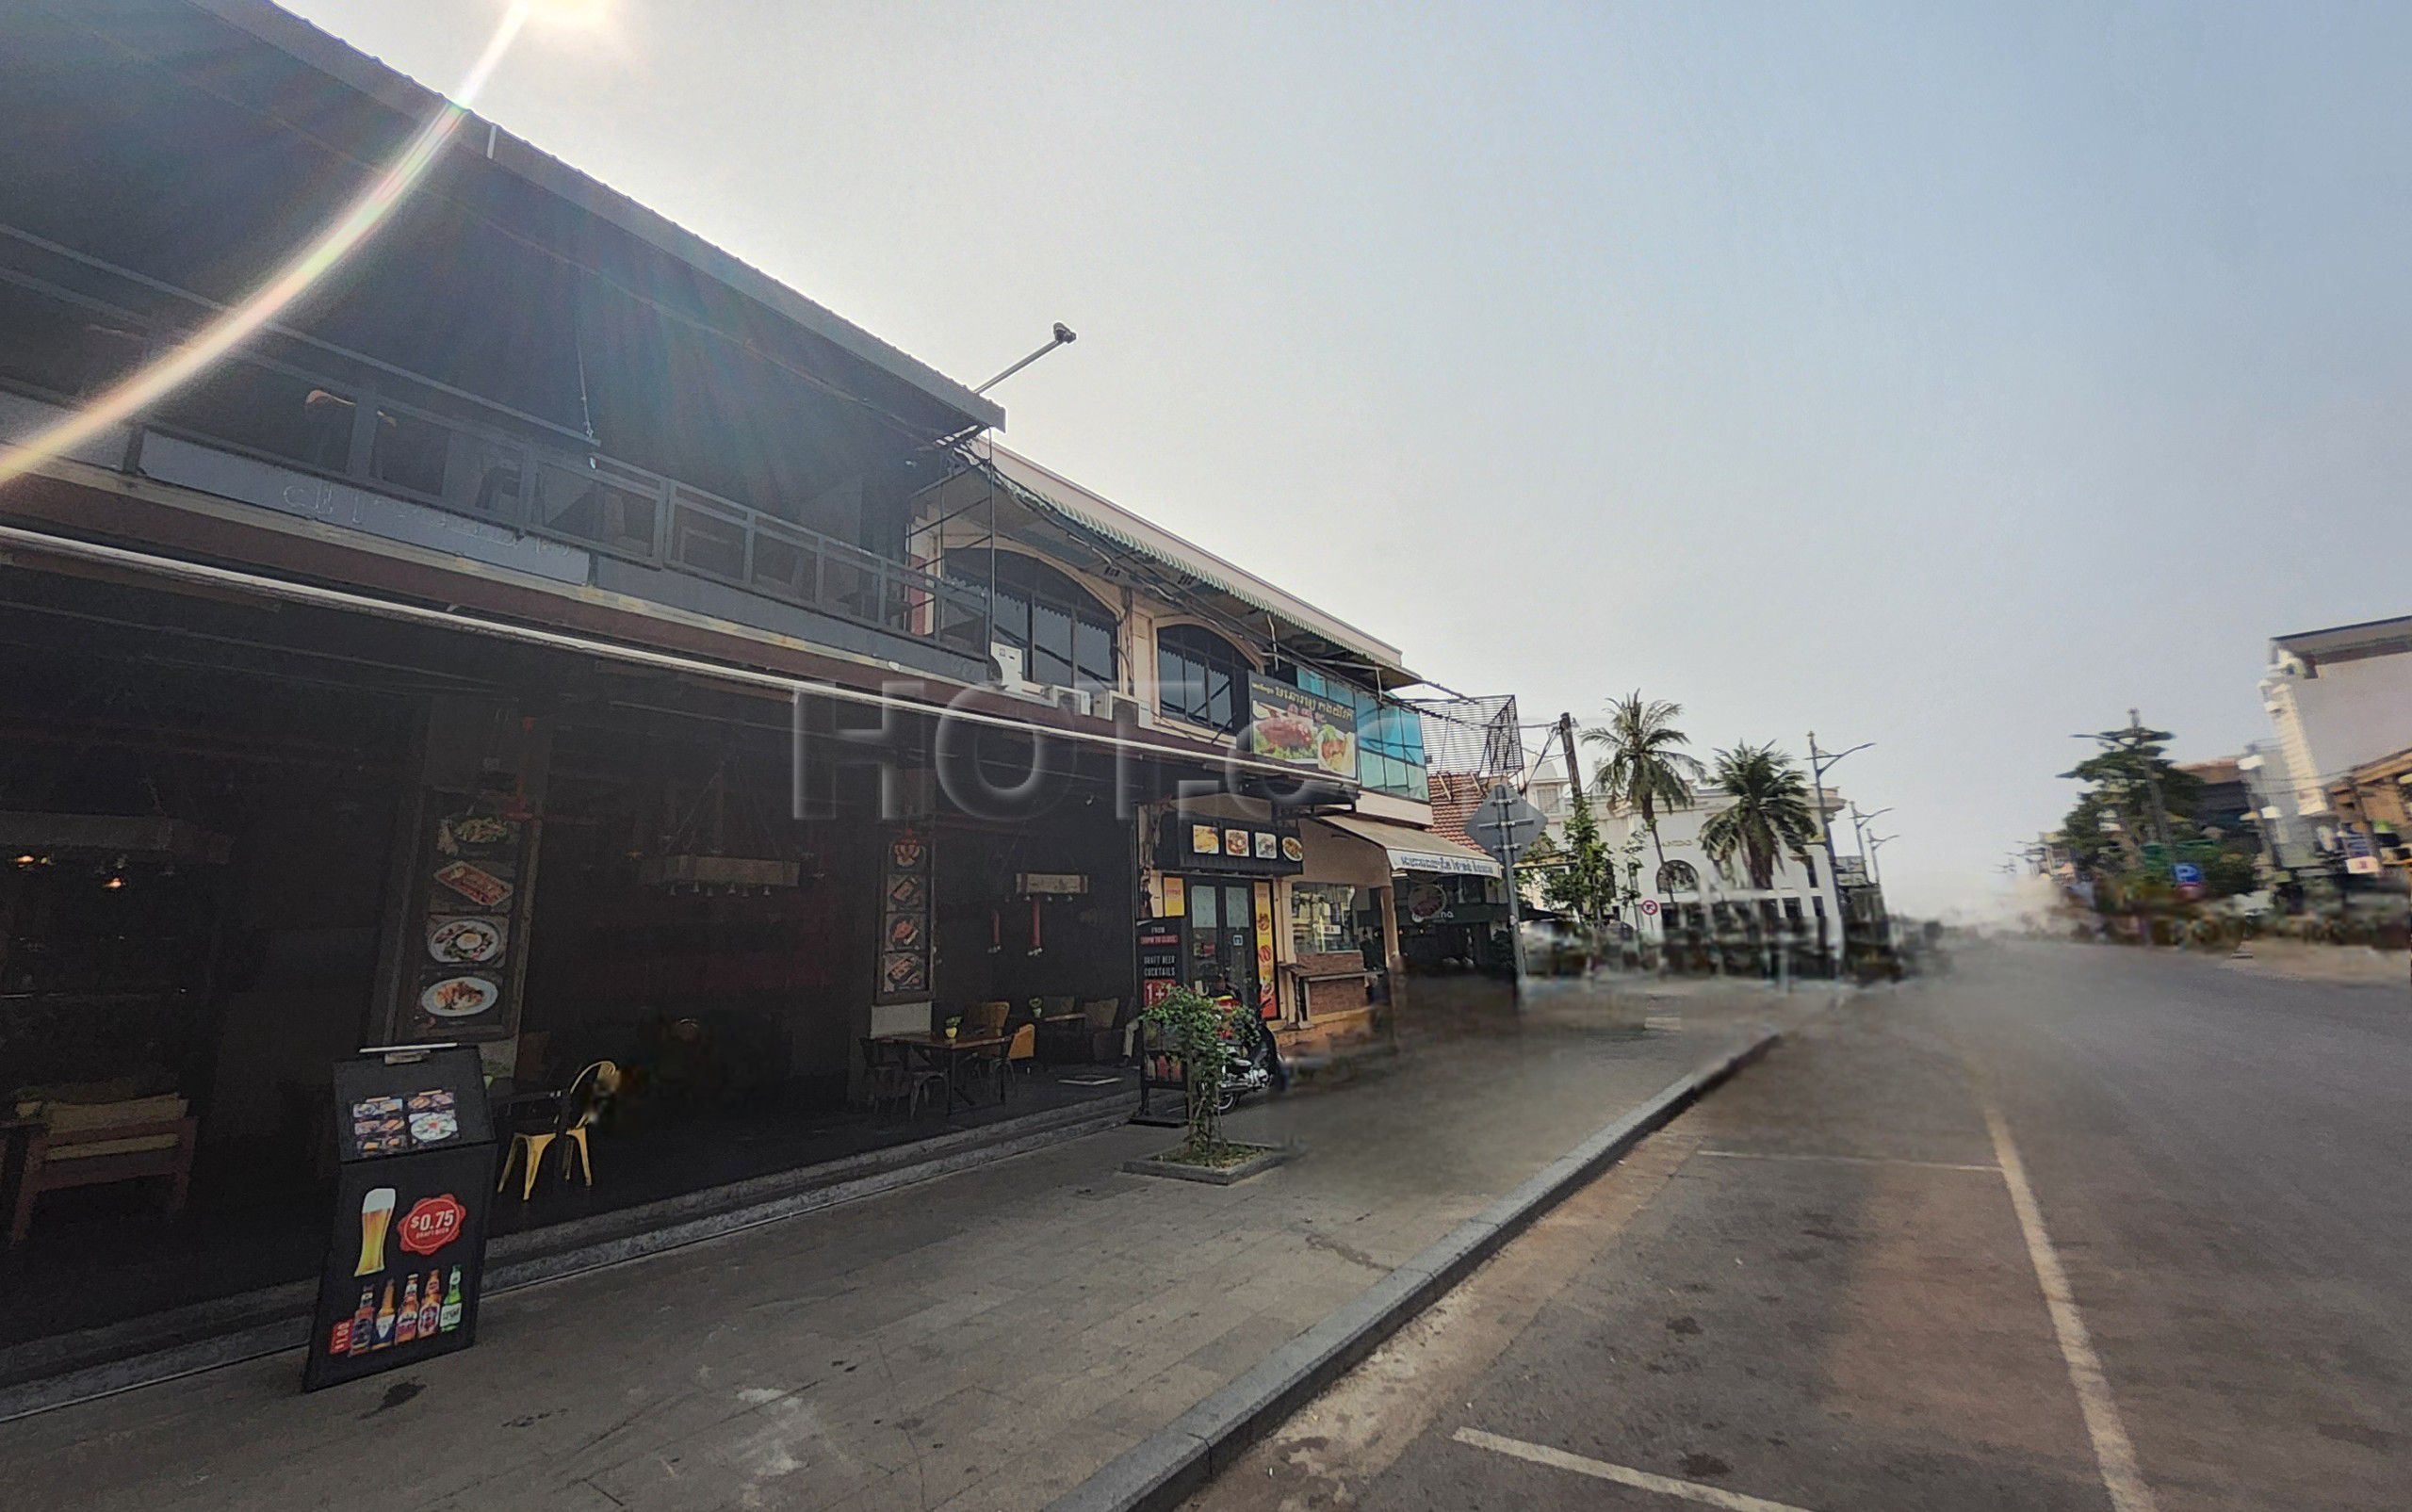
{"points": [[2339, 697], [1690, 893]]}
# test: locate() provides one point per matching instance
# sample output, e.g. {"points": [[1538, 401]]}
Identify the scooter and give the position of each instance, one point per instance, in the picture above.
{"points": [[1250, 1065]]}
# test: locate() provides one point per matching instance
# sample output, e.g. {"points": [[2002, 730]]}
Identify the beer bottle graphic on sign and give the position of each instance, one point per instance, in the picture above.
{"points": [[431, 1306], [364, 1321], [385, 1319], [406, 1327], [451, 1318]]}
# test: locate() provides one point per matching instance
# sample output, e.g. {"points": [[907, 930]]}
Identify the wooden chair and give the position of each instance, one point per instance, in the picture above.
{"points": [[984, 1020], [1022, 1052], [566, 1118], [71, 1144]]}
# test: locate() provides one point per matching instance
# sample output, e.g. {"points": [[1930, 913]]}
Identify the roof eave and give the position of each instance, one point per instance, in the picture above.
{"points": [[329, 55]]}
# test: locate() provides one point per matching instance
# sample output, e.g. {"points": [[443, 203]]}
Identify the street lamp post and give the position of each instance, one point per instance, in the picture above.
{"points": [[1818, 764]]}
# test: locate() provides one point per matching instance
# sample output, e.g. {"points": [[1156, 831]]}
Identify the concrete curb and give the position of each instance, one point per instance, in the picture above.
{"points": [[1164, 1469], [274, 1320]]}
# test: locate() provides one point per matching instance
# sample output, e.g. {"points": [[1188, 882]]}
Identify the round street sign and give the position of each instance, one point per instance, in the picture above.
{"points": [[1650, 906]]}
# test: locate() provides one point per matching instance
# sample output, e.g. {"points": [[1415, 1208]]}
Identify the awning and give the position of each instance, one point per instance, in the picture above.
{"points": [[1414, 850]]}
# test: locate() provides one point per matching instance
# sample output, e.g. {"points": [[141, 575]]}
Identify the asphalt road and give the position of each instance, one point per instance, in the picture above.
{"points": [[2076, 1227]]}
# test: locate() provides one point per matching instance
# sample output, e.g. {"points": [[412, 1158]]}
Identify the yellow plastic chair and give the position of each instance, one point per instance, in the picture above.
{"points": [[1022, 1052], [579, 1109]]}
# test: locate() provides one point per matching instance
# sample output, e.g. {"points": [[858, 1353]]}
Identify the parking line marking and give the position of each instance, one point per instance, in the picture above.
{"points": [[1621, 1474], [2113, 1450], [1843, 1160]]}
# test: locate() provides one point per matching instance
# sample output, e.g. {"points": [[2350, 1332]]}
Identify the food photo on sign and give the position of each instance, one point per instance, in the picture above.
{"points": [[1301, 729]]}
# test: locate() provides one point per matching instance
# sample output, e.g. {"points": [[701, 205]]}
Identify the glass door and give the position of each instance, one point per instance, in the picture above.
{"points": [[1222, 939]]}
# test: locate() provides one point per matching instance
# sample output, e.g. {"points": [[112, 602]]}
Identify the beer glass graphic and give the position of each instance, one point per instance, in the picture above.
{"points": [[376, 1216]]}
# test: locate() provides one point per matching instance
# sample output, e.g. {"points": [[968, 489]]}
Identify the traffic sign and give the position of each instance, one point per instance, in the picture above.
{"points": [[2186, 874], [1505, 823], [1650, 906]]}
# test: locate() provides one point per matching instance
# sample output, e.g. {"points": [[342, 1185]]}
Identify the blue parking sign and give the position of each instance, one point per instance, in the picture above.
{"points": [[2186, 874]]}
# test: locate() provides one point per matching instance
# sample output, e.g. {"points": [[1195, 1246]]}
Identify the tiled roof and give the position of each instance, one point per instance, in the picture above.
{"points": [[1455, 796]]}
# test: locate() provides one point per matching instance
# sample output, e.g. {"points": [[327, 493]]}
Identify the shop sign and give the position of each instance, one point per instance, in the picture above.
{"points": [[1053, 883], [405, 1257], [1297, 728], [1266, 1006], [1227, 845], [1159, 959]]}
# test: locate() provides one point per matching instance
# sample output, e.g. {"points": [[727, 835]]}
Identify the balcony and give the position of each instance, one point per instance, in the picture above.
{"points": [[407, 459]]}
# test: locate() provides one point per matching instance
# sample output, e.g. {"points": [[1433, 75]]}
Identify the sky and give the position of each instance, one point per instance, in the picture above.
{"points": [[1949, 377]]}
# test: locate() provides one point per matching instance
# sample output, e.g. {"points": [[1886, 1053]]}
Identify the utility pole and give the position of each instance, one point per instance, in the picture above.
{"points": [[1574, 787]]}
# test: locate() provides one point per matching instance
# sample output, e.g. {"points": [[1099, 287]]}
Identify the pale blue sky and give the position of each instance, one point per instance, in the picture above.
{"points": [[1945, 376]]}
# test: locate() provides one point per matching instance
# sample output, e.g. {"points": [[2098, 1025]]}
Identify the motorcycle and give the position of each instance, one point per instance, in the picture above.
{"points": [[1251, 1063]]}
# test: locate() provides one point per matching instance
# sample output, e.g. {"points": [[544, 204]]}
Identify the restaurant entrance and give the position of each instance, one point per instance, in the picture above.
{"points": [[1223, 937]]}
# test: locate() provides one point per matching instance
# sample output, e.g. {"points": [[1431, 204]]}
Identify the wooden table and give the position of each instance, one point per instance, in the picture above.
{"points": [[946, 1053]]}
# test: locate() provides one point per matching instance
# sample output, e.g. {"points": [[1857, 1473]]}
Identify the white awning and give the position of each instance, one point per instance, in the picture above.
{"points": [[1414, 850]]}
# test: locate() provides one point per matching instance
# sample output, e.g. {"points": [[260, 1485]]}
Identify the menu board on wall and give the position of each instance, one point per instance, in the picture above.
{"points": [[472, 869], [1255, 847], [903, 919]]}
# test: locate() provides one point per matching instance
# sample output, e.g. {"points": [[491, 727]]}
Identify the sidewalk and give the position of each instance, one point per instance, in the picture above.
{"points": [[983, 1340]]}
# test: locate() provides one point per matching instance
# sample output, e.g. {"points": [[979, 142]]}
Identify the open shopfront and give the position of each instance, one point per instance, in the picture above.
{"points": [[1450, 899], [246, 839]]}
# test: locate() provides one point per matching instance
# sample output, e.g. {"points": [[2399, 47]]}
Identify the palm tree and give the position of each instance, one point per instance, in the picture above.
{"points": [[1647, 768], [1769, 811]]}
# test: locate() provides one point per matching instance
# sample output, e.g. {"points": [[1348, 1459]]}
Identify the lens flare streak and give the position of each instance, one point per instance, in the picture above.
{"points": [[357, 222]]}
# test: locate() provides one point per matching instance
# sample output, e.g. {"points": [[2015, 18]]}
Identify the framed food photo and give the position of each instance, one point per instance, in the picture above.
{"points": [[903, 969]]}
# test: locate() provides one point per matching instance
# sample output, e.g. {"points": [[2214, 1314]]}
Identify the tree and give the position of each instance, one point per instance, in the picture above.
{"points": [[2134, 796], [1768, 812], [1584, 880], [1648, 768]]}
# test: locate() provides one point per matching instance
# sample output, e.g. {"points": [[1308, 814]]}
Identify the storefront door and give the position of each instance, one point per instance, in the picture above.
{"points": [[1222, 937]]}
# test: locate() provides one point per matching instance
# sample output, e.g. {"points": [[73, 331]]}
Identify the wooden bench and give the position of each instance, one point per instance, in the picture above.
{"points": [[72, 1145]]}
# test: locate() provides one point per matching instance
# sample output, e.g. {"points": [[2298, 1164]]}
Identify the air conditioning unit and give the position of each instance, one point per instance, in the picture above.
{"points": [[1072, 699], [1116, 707], [1011, 673]]}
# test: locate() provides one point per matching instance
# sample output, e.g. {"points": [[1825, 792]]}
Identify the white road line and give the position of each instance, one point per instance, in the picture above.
{"points": [[1842, 1159], [2113, 1450], [1623, 1475]]}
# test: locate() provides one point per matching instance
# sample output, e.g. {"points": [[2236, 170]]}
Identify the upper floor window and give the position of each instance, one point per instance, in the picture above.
{"points": [[1678, 877], [1200, 678], [1065, 634]]}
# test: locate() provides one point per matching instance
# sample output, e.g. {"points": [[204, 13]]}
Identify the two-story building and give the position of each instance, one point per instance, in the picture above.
{"points": [[551, 634], [1691, 906], [1287, 899]]}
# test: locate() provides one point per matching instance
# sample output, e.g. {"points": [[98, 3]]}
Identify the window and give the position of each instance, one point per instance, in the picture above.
{"points": [[1065, 635], [409, 452], [1678, 876], [269, 411], [1323, 918], [62, 347], [598, 505], [1200, 678]]}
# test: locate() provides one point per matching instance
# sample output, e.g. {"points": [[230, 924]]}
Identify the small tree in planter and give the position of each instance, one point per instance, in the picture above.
{"points": [[1194, 1027]]}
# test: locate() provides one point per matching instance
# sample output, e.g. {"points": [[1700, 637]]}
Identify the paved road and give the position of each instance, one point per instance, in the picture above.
{"points": [[1826, 1287]]}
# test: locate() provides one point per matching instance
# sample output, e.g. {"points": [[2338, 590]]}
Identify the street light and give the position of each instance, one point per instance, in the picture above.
{"points": [[1063, 337], [1820, 763], [1876, 873]]}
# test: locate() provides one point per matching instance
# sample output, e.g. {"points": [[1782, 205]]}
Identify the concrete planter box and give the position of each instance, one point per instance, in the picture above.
{"points": [[1266, 1157]]}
